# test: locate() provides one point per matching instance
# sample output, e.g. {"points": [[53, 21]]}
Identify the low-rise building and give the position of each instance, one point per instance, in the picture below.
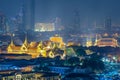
{"points": [[60, 69], [78, 76], [16, 56], [30, 76]]}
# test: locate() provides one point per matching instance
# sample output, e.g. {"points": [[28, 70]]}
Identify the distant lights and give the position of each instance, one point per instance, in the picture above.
{"points": [[105, 60], [114, 57], [13, 34]]}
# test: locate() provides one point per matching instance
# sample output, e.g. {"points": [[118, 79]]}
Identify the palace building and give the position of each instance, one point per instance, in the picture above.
{"points": [[102, 42], [58, 40], [36, 49], [33, 48]]}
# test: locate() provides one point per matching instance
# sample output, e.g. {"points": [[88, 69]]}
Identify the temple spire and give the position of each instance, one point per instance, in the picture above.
{"points": [[26, 40], [96, 40], [12, 42], [40, 45]]}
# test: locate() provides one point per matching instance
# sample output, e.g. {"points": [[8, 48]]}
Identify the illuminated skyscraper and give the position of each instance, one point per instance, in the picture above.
{"points": [[29, 14]]}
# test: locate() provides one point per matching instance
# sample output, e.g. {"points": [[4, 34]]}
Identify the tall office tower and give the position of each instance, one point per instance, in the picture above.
{"points": [[58, 25], [29, 11], [19, 20], [107, 25], [3, 27], [77, 21]]}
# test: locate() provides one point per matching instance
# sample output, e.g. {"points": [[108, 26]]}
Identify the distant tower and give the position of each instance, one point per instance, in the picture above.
{"points": [[77, 21], [19, 23], [107, 25], [95, 25], [96, 40], [57, 23], [3, 27], [29, 14]]}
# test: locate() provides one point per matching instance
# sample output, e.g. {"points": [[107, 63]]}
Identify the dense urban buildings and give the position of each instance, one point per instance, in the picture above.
{"points": [[49, 40]]}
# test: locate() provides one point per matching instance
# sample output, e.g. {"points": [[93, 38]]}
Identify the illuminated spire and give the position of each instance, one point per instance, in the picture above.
{"points": [[89, 41], [26, 40], [96, 40], [40, 45], [12, 42], [55, 45]]}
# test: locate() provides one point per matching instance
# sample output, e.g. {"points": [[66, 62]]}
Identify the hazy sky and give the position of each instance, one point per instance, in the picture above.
{"points": [[46, 10]]}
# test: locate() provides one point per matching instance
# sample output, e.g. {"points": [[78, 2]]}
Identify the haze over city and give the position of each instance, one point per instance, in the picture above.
{"points": [[90, 11], [59, 40]]}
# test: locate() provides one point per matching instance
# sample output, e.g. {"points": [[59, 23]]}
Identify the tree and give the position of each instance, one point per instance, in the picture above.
{"points": [[40, 68], [73, 61], [94, 62], [80, 52]]}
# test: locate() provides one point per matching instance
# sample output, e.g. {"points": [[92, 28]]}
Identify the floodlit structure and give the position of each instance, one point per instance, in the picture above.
{"points": [[33, 48], [36, 49], [58, 40], [89, 42], [42, 27], [106, 42]]}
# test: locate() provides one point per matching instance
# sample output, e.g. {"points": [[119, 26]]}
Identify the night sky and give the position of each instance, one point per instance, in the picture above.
{"points": [[46, 10]]}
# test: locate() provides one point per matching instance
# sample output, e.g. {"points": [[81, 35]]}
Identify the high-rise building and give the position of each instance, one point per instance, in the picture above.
{"points": [[3, 27], [29, 11], [77, 21], [58, 25], [107, 25], [19, 20]]}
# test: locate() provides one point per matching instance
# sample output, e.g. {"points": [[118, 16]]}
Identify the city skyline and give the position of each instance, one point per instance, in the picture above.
{"points": [[39, 38], [46, 11]]}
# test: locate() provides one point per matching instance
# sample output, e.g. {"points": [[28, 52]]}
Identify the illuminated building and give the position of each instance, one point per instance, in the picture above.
{"points": [[33, 49], [58, 40], [89, 42], [88, 52], [0, 50], [73, 43], [16, 56], [36, 49], [103, 42], [30, 76], [26, 68], [42, 27]]}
